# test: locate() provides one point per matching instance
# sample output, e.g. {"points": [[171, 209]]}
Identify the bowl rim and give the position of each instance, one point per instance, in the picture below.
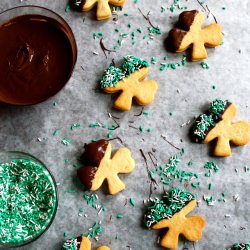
{"points": [[56, 196], [73, 41]]}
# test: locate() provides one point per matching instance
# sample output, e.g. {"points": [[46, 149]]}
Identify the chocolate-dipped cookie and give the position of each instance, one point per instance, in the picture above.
{"points": [[170, 212], [102, 167], [188, 32], [216, 123]]}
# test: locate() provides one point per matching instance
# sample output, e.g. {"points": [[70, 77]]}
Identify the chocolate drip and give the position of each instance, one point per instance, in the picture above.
{"points": [[94, 152], [87, 175], [181, 28]]}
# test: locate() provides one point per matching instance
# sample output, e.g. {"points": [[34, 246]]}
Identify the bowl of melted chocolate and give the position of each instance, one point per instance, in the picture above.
{"points": [[37, 54]]}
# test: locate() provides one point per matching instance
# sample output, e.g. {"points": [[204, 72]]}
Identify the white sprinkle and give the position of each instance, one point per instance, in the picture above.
{"points": [[236, 170], [96, 238], [85, 215], [58, 184], [178, 91], [100, 211], [39, 139], [80, 215], [95, 53], [227, 215]]}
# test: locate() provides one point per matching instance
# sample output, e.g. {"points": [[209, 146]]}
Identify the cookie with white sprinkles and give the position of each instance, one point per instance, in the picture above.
{"points": [[170, 212], [128, 79], [216, 123]]}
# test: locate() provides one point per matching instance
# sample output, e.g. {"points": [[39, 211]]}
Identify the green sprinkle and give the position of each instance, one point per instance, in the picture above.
{"points": [[71, 191], [117, 29], [139, 30], [190, 163], [224, 8], [170, 113], [210, 186], [141, 129], [149, 130], [75, 125], [56, 132], [117, 236], [204, 65], [132, 201], [67, 8], [66, 161], [119, 216], [146, 112], [130, 25], [222, 43], [162, 9], [126, 14], [136, 1], [65, 234], [66, 141], [183, 150], [81, 210], [153, 60], [214, 87], [163, 67], [172, 8], [145, 37], [109, 134], [154, 30]]}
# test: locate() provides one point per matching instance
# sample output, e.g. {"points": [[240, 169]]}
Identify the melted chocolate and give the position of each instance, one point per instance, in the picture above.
{"points": [[181, 28], [94, 152], [37, 59]]}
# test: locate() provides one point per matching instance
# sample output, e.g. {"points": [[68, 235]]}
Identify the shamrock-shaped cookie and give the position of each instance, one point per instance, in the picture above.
{"points": [[188, 32], [100, 166], [129, 81], [80, 243], [216, 123], [170, 212], [103, 9]]}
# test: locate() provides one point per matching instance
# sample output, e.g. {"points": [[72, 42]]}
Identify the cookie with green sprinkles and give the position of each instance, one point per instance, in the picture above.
{"points": [[217, 124], [170, 212], [128, 79], [80, 243], [28, 199], [99, 166]]}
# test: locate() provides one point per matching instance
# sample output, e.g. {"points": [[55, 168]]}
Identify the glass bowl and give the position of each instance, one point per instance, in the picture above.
{"points": [[28, 199], [36, 62]]}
